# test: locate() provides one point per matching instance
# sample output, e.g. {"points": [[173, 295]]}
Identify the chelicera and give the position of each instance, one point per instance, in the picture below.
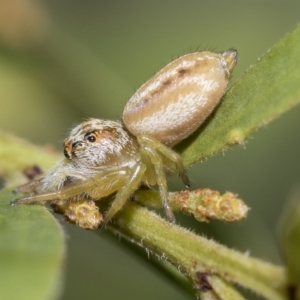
{"points": [[103, 156]]}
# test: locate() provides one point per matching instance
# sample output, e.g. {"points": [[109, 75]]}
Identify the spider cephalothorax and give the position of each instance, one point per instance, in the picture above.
{"points": [[100, 143], [103, 157]]}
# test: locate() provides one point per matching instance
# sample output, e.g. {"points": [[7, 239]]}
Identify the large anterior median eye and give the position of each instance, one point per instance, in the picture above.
{"points": [[91, 137]]}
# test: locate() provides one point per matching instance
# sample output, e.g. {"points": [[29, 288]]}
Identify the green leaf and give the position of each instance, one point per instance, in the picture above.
{"points": [[290, 239], [266, 90], [17, 155], [31, 251], [31, 240]]}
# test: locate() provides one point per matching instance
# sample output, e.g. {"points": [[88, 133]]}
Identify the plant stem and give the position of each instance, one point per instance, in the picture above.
{"points": [[223, 289], [192, 254]]}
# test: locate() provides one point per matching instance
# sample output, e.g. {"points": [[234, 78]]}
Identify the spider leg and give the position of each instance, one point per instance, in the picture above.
{"points": [[98, 186], [145, 139], [133, 181], [29, 187], [160, 179]]}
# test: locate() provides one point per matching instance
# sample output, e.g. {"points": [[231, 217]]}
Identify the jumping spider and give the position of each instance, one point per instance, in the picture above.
{"points": [[103, 156]]}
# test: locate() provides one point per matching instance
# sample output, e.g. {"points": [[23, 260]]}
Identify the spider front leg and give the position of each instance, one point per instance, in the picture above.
{"points": [[124, 180], [98, 186], [151, 149], [126, 184], [133, 180], [29, 187]]}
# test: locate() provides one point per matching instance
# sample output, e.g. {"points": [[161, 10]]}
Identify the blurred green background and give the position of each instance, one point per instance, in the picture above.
{"points": [[63, 61]]}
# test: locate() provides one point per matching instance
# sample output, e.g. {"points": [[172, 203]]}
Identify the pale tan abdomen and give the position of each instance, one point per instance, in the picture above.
{"points": [[174, 102]]}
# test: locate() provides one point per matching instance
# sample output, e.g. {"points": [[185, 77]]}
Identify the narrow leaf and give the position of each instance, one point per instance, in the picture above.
{"points": [[269, 88]]}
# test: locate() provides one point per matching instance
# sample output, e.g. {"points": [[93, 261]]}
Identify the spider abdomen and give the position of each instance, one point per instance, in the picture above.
{"points": [[175, 101]]}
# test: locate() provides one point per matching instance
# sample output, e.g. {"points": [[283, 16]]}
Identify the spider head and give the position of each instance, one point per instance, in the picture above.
{"points": [[96, 142]]}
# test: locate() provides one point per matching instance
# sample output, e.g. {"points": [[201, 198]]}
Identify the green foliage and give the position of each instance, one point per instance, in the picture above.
{"points": [[290, 233], [269, 88], [13, 164], [31, 252], [32, 246]]}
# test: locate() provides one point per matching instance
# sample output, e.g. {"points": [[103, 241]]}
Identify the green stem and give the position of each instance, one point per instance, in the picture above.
{"points": [[223, 289], [208, 295], [192, 254]]}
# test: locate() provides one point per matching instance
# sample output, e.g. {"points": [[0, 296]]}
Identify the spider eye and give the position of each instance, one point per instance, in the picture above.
{"points": [[90, 137]]}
